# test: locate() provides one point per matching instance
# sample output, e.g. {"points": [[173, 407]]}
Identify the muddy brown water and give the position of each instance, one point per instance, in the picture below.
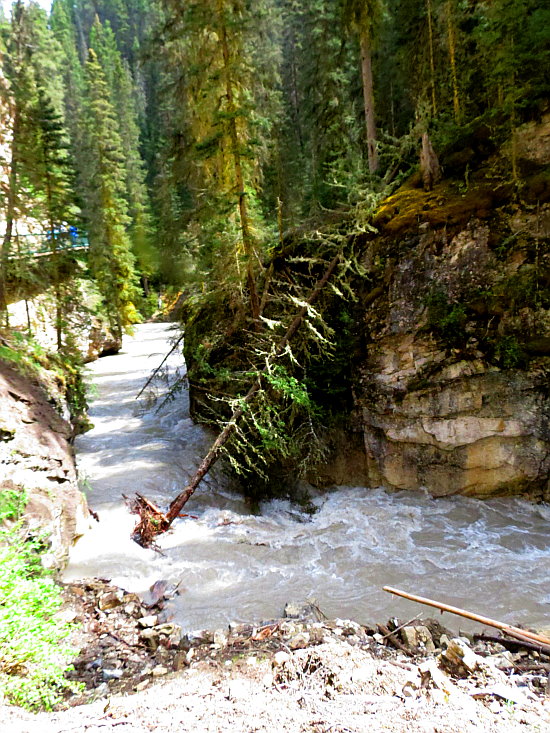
{"points": [[491, 557]]}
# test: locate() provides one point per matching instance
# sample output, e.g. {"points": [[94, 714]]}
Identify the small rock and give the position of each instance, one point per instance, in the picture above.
{"points": [[458, 656], [418, 637], [503, 661], [316, 636], [112, 674], [100, 691], [220, 639], [132, 609], [280, 658], [150, 637], [67, 616], [168, 629], [408, 636], [142, 685], [180, 661], [110, 600], [148, 621], [160, 671], [300, 641], [304, 610]]}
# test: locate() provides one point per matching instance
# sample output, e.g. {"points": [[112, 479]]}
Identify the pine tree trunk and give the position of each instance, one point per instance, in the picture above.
{"points": [[368, 95], [55, 253], [432, 60]]}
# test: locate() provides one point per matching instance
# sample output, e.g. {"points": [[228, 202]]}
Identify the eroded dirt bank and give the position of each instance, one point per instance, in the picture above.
{"points": [[36, 458]]}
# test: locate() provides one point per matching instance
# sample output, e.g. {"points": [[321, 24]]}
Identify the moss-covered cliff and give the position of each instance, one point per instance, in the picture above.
{"points": [[438, 376]]}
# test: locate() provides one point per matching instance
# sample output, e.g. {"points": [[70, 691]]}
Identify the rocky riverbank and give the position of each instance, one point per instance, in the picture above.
{"points": [[300, 672]]}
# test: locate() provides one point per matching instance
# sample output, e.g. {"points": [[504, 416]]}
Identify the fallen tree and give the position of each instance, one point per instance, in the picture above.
{"points": [[152, 520]]}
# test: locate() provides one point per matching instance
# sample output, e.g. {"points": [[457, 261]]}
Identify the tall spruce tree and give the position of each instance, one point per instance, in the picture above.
{"points": [[362, 16], [54, 176], [121, 88], [215, 42], [106, 210]]}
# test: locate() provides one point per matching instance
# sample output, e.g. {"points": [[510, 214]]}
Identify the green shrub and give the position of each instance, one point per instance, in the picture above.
{"points": [[446, 319], [33, 659], [509, 353]]}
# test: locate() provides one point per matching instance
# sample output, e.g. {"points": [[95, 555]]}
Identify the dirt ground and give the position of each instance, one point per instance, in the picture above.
{"points": [[299, 674]]}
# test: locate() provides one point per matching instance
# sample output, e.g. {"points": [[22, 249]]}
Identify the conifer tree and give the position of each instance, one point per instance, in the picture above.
{"points": [[320, 134], [54, 175], [106, 209], [213, 40], [21, 44], [120, 84], [362, 15]]}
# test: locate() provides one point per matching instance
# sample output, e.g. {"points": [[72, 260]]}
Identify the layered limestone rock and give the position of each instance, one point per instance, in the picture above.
{"points": [[36, 457], [454, 386], [474, 430]]}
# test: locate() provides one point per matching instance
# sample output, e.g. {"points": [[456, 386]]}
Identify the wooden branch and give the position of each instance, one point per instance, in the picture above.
{"points": [[394, 641], [517, 633], [513, 645], [157, 370]]}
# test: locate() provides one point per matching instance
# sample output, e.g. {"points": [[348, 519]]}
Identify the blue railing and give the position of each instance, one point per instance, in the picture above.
{"points": [[39, 245]]}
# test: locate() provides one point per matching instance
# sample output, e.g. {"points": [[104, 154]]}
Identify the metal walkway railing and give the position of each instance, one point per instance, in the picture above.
{"points": [[42, 245]]}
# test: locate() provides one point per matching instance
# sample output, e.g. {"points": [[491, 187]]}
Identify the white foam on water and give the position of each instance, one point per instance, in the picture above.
{"points": [[491, 557]]}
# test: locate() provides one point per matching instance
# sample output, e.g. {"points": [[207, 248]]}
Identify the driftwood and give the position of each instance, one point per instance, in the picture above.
{"points": [[513, 645], [394, 641], [152, 520], [542, 642]]}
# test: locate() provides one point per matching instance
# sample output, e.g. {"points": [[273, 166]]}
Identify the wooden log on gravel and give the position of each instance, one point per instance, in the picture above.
{"points": [[513, 645], [514, 631]]}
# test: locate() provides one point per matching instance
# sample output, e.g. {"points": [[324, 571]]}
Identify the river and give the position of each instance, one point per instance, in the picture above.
{"points": [[491, 557]]}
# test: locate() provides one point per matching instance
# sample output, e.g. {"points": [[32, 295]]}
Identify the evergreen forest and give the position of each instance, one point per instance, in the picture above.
{"points": [[184, 139]]}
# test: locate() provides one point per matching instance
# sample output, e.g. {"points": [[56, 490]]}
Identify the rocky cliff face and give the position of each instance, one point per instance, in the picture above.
{"points": [[452, 392], [440, 374], [36, 457]]}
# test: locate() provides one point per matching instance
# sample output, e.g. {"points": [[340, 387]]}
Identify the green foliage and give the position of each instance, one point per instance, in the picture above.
{"points": [[25, 354], [289, 387], [33, 655], [111, 260], [12, 504], [445, 318], [59, 372], [509, 353]]}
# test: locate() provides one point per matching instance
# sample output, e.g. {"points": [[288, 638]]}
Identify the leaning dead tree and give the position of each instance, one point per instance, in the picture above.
{"points": [[152, 520]]}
